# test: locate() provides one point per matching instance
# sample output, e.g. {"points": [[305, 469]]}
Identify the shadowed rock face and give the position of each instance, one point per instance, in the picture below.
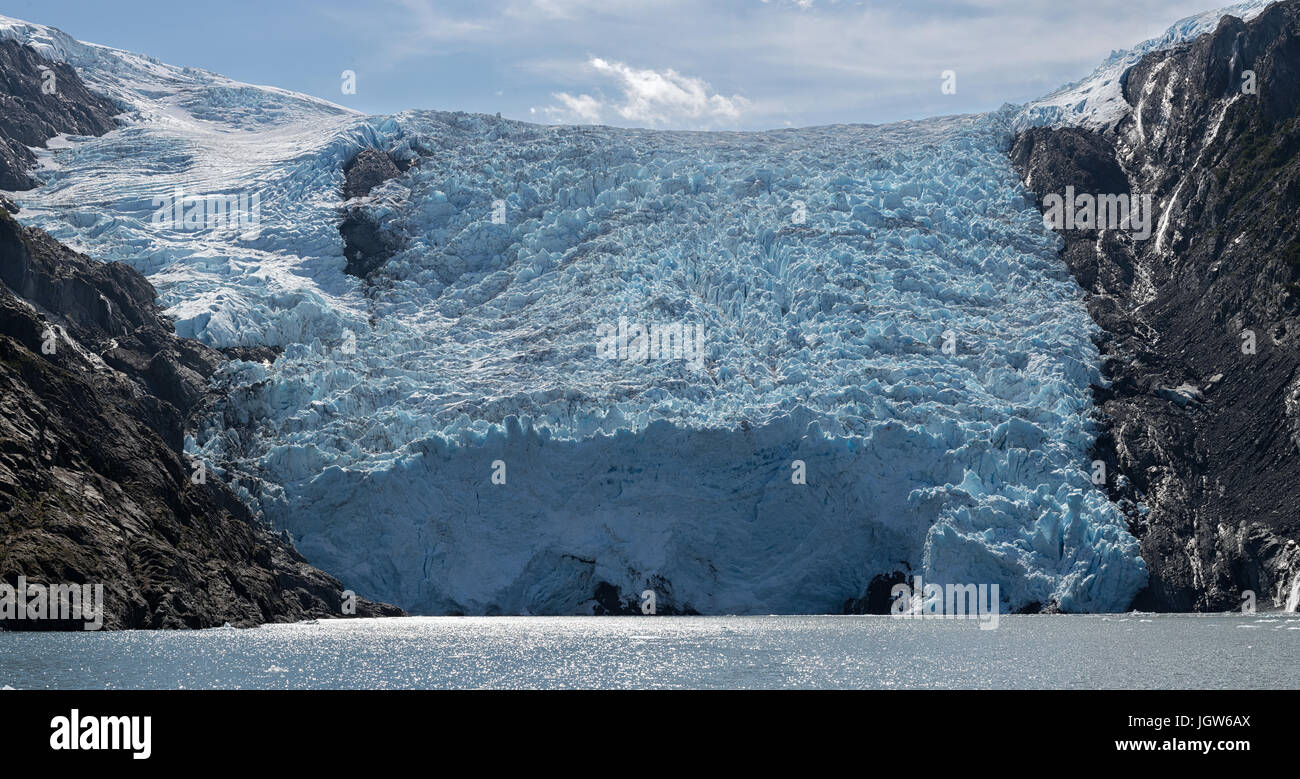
{"points": [[31, 115], [368, 169], [365, 244], [1205, 434], [95, 392]]}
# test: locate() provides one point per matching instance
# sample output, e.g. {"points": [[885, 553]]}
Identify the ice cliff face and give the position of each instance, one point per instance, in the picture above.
{"points": [[880, 310], [824, 343]]}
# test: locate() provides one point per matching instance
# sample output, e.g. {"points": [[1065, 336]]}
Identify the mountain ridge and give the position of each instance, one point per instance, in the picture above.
{"points": [[98, 393], [1209, 303]]}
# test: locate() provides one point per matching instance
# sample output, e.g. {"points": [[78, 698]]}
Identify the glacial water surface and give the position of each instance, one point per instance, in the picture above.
{"points": [[1131, 651]]}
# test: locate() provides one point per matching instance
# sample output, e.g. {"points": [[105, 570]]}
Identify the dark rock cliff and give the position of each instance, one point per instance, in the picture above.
{"points": [[366, 246], [38, 100], [1201, 318], [95, 393]]}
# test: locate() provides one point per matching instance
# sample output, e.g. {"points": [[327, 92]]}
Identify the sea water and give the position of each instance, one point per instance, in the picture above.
{"points": [[1132, 651]]}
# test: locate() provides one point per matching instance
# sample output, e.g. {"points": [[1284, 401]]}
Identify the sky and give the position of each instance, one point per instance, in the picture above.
{"points": [[679, 64]]}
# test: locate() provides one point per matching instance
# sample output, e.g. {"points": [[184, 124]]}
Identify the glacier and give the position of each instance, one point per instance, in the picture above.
{"points": [[882, 310]]}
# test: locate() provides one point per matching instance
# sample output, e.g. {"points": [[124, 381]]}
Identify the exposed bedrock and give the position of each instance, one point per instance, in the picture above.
{"points": [[40, 99], [366, 245], [1200, 318], [95, 394]]}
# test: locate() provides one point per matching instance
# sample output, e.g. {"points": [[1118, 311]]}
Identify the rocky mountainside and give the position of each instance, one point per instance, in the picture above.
{"points": [[38, 100], [1200, 318], [96, 393]]}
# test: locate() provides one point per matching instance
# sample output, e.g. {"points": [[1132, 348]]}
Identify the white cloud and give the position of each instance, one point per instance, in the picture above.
{"points": [[649, 98], [572, 10], [801, 61], [583, 109]]}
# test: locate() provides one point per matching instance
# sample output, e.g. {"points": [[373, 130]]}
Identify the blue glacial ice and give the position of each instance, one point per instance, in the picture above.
{"points": [[881, 303]]}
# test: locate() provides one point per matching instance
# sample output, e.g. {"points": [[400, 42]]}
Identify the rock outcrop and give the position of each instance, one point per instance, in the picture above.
{"points": [[95, 394], [366, 246], [1202, 335], [40, 99]]}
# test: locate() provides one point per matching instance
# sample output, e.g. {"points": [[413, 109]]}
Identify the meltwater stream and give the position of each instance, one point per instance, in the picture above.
{"points": [[1130, 651]]}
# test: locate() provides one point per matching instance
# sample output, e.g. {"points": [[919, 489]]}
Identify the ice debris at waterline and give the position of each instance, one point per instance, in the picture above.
{"points": [[880, 303]]}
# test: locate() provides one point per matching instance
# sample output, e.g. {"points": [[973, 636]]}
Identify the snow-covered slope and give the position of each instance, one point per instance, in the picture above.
{"points": [[202, 134], [1096, 102], [828, 269]]}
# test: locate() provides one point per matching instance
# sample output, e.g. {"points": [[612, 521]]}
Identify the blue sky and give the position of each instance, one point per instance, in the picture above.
{"points": [[684, 64]]}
